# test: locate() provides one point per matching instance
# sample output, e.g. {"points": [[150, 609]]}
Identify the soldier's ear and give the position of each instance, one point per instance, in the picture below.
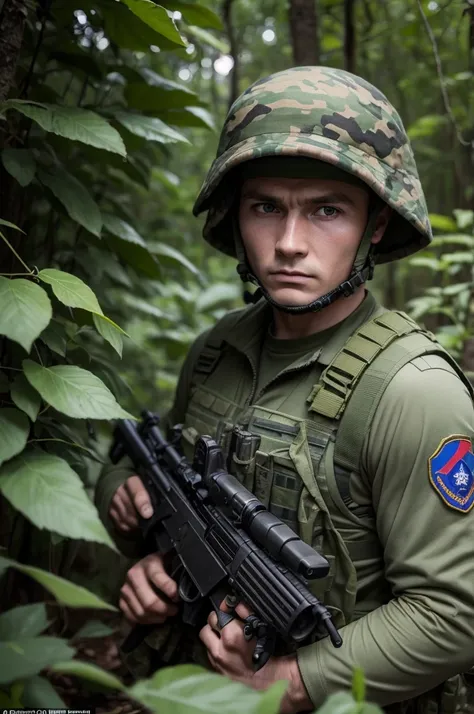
{"points": [[381, 224]]}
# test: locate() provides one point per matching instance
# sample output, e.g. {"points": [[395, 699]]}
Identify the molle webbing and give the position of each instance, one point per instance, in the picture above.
{"points": [[339, 379], [213, 348]]}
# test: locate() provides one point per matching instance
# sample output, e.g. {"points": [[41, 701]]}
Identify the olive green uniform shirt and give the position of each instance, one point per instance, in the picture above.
{"points": [[424, 632]]}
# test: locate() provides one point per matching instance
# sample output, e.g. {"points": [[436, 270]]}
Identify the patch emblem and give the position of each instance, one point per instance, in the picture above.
{"points": [[451, 471]]}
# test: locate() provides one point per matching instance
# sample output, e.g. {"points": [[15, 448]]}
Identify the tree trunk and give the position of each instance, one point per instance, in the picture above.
{"points": [[349, 36], [470, 14], [12, 25], [303, 21], [234, 51]]}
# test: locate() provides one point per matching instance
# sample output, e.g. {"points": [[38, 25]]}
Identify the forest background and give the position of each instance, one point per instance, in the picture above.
{"points": [[109, 118]]}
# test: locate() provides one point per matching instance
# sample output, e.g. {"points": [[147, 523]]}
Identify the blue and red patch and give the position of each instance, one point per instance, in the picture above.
{"points": [[451, 471]]}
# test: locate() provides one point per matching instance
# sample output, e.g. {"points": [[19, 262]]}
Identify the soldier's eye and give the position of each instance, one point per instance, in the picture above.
{"points": [[327, 211], [265, 207]]}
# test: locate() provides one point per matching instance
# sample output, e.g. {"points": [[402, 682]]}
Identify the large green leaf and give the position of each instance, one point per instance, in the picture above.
{"points": [[27, 656], [74, 391], [55, 337], [122, 230], [21, 164], [51, 495], [442, 223], [70, 290], [72, 123], [39, 693], [74, 196], [127, 31], [26, 310], [173, 255], [189, 116], [149, 128], [88, 671], [110, 331], [207, 38], [14, 429], [157, 18], [64, 591], [130, 246], [195, 14], [23, 621], [158, 99], [25, 397], [189, 689]]}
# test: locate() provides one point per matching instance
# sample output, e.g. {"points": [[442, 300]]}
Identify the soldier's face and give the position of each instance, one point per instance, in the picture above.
{"points": [[301, 235]]}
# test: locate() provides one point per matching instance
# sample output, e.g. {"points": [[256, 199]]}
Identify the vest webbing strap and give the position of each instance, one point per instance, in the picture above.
{"points": [[340, 377], [360, 410]]}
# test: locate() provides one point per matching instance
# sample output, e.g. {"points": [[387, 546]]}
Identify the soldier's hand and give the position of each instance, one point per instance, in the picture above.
{"points": [[129, 499], [149, 595]]}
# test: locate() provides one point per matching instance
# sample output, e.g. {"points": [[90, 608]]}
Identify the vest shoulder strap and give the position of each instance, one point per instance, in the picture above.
{"points": [[352, 386], [211, 352], [338, 380]]}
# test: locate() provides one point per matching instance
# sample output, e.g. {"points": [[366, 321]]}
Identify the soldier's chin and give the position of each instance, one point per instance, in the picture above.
{"points": [[292, 296]]}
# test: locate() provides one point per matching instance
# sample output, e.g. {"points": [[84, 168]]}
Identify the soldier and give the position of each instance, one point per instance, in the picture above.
{"points": [[365, 421]]}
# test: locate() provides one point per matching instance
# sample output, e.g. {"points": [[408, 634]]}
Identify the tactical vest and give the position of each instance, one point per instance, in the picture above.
{"points": [[307, 469]]}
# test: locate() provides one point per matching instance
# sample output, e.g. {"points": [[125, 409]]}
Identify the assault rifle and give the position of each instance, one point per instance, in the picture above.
{"points": [[227, 543]]}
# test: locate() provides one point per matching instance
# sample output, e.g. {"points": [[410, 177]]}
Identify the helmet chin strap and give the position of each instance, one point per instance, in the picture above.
{"points": [[362, 270]]}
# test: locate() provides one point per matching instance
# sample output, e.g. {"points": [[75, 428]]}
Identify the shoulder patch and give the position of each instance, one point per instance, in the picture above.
{"points": [[451, 470]]}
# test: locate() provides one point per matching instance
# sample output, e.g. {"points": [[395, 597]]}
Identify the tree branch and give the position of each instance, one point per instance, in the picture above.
{"points": [[439, 69]]}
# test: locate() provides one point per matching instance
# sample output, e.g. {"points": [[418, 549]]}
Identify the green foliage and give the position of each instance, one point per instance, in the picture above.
{"points": [[72, 123], [23, 657], [57, 501], [26, 311], [189, 689], [65, 592], [449, 303], [104, 147]]}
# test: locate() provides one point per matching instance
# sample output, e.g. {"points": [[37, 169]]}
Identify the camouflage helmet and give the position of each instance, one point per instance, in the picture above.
{"points": [[330, 115]]}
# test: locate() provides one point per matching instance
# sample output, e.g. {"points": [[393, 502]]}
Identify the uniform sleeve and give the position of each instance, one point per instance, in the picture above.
{"points": [[114, 475], [425, 634]]}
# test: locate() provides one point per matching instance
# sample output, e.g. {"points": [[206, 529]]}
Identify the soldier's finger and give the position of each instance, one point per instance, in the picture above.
{"points": [[132, 601], [123, 605], [139, 496], [160, 579], [153, 603], [117, 520], [126, 509]]}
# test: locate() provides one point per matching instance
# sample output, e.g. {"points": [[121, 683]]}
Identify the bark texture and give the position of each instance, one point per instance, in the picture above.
{"points": [[349, 36], [234, 50], [12, 25], [304, 32]]}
